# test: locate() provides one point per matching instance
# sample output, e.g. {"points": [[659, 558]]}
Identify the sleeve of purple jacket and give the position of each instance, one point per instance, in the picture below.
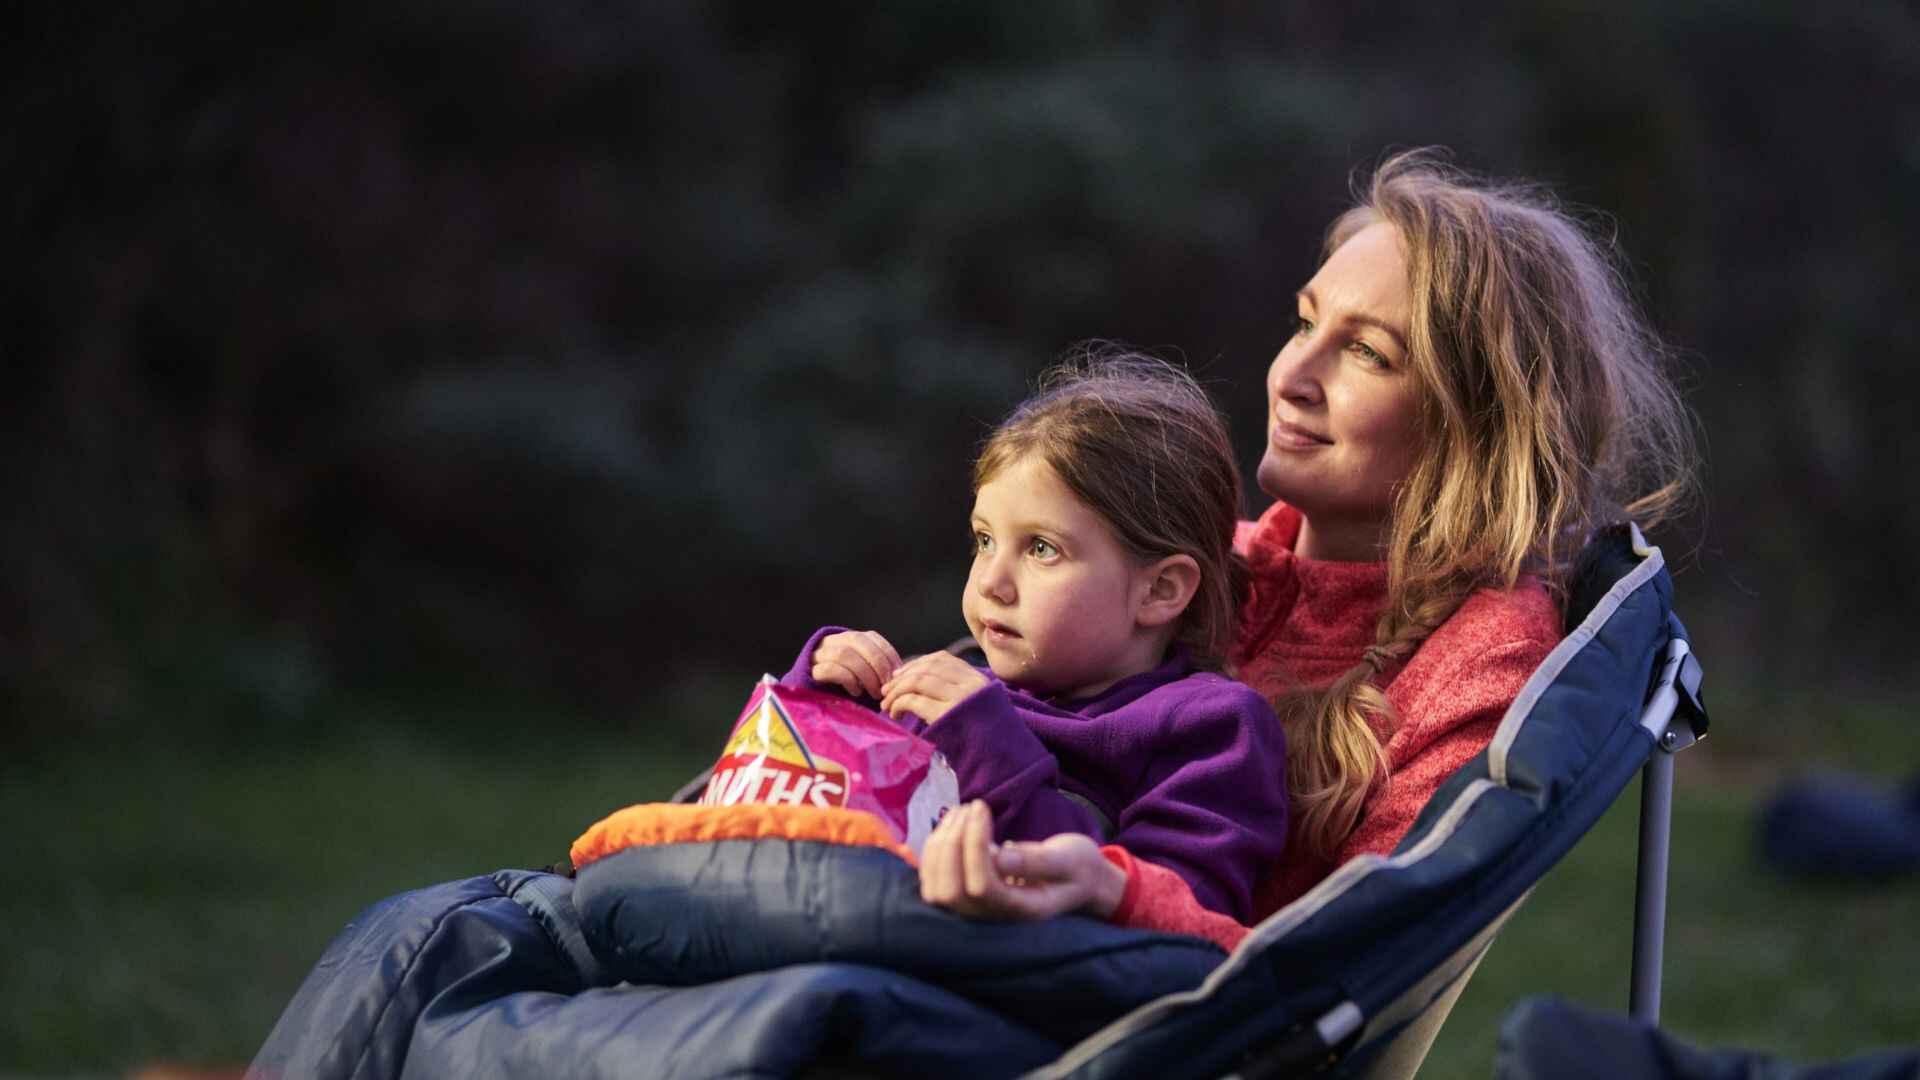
{"points": [[1212, 803], [998, 759], [800, 675]]}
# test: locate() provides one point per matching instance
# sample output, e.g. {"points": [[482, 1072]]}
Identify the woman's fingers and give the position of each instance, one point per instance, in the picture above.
{"points": [[982, 881], [943, 863], [1061, 858], [962, 870], [940, 862], [1067, 872]]}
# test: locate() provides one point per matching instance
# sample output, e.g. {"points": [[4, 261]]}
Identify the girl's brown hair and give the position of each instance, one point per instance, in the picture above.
{"points": [[1140, 443], [1546, 410]]}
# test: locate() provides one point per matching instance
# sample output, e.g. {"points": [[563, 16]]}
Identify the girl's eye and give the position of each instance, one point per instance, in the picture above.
{"points": [[1041, 549], [982, 543]]}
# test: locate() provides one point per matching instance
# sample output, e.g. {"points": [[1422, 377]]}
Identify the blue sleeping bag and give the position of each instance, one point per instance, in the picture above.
{"points": [[729, 958]]}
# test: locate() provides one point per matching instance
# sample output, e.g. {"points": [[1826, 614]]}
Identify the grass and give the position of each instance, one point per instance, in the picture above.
{"points": [[164, 902]]}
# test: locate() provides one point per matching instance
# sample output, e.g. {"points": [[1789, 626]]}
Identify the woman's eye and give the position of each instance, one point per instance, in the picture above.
{"points": [[1042, 549], [1370, 354], [982, 543], [1302, 326]]}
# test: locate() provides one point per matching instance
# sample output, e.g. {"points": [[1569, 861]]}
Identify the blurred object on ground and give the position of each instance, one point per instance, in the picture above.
{"points": [[1840, 825], [165, 1071], [1544, 1038]]}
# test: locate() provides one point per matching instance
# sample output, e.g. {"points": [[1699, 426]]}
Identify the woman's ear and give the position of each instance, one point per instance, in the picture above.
{"points": [[1170, 585]]}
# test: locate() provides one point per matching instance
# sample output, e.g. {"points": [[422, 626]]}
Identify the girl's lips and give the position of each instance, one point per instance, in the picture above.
{"points": [[1288, 436], [999, 631]]}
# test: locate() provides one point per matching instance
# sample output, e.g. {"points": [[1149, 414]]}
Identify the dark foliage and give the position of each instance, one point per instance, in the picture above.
{"points": [[578, 346]]}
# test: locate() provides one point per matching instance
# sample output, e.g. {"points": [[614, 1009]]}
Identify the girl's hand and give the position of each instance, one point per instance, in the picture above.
{"points": [[927, 686], [964, 871], [857, 661]]}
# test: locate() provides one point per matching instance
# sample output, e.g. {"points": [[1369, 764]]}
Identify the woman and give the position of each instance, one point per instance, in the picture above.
{"points": [[1467, 392]]}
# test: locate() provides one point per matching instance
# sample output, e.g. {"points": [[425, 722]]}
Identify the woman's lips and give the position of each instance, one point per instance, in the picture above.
{"points": [[1290, 436]]}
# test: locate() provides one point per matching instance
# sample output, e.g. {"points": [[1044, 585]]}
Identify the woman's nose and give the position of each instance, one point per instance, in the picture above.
{"points": [[1295, 373]]}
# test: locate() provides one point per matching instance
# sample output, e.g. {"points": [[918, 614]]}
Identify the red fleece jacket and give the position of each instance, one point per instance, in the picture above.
{"points": [[1307, 622]]}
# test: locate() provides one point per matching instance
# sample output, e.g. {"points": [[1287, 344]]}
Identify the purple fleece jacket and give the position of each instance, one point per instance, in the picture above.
{"points": [[1189, 767]]}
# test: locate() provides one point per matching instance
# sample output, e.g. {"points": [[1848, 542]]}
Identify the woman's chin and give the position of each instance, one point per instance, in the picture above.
{"points": [[1275, 478]]}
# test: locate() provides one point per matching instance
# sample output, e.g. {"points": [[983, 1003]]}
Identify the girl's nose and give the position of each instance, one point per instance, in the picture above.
{"points": [[993, 580]]}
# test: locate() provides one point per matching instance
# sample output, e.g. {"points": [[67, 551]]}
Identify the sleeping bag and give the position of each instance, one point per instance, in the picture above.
{"points": [[707, 942]]}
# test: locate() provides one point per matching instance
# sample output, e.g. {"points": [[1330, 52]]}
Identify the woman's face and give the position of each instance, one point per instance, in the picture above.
{"points": [[1342, 401]]}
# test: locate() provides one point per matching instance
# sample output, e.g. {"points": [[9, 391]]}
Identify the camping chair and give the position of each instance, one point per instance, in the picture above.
{"points": [[1357, 975], [1353, 977]]}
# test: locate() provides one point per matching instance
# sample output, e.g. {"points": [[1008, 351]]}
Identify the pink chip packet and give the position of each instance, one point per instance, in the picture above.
{"points": [[798, 747]]}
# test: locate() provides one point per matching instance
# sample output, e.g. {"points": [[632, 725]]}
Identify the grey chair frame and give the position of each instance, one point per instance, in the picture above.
{"points": [[1676, 717]]}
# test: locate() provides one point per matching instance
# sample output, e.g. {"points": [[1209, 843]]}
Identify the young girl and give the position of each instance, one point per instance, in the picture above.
{"points": [[1103, 593]]}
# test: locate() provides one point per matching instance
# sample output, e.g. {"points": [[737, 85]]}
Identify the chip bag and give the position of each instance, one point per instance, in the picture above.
{"points": [[811, 748]]}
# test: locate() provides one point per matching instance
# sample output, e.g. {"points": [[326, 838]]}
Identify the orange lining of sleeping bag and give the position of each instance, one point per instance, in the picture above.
{"points": [[652, 824]]}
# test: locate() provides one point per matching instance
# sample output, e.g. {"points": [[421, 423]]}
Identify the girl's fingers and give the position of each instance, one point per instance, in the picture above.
{"points": [[927, 662], [885, 653], [905, 671], [869, 657], [941, 675], [835, 674], [841, 649], [912, 679], [879, 656], [920, 705], [905, 681], [863, 672]]}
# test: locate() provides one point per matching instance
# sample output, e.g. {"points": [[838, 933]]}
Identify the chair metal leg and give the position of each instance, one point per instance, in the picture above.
{"points": [[1650, 889], [1675, 694]]}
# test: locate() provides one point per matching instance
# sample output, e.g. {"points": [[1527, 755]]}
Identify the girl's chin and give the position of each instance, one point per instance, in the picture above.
{"points": [[1015, 674]]}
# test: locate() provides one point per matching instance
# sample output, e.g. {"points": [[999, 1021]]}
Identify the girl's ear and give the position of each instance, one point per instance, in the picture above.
{"points": [[1170, 585]]}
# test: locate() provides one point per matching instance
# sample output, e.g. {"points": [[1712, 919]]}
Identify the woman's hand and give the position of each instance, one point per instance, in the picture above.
{"points": [[857, 661], [927, 686], [964, 871]]}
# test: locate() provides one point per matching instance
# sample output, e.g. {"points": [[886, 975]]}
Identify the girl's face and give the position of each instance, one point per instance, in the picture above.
{"points": [[1052, 597], [1342, 402]]}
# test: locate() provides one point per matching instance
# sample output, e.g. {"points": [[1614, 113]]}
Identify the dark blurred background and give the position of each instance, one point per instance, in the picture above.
{"points": [[579, 346], [576, 354]]}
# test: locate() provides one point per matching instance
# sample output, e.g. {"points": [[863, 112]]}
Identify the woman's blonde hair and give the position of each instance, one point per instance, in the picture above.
{"points": [[1140, 443], [1546, 410]]}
